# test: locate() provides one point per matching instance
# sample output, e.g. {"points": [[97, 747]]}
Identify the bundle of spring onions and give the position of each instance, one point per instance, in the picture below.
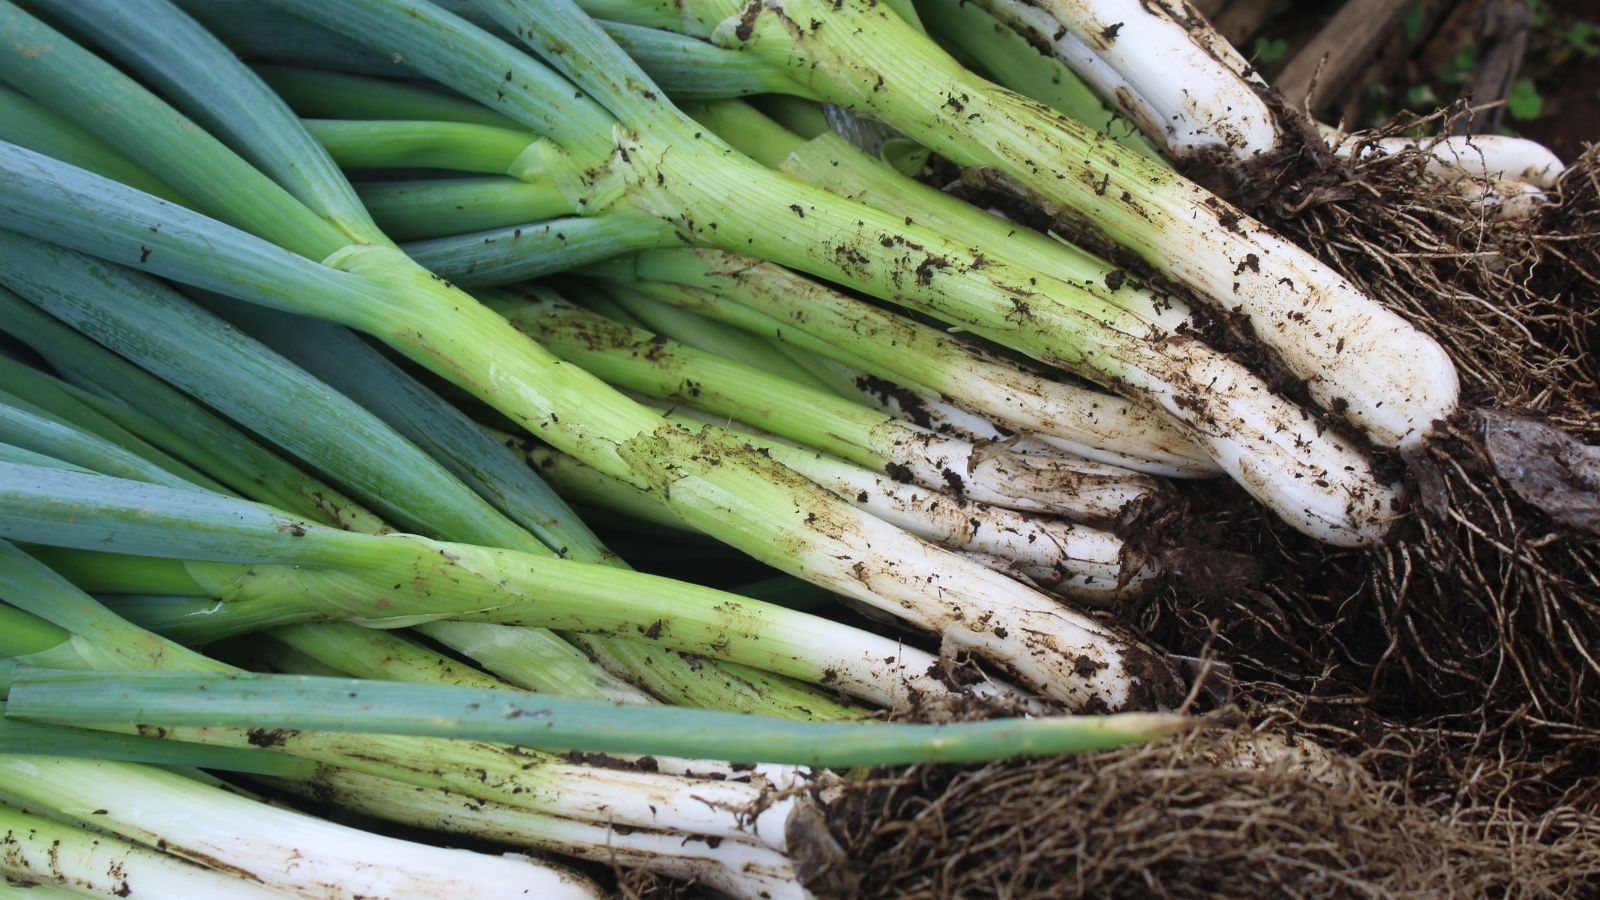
{"points": [[329, 325]]}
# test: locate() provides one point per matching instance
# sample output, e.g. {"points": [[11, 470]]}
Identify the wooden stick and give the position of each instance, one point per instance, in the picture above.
{"points": [[1335, 57], [1396, 52], [1503, 37]]}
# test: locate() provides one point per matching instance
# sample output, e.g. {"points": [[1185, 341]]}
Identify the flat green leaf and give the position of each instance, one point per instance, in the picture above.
{"points": [[1269, 50], [547, 722], [17, 736], [1524, 101], [1411, 25], [1584, 36]]}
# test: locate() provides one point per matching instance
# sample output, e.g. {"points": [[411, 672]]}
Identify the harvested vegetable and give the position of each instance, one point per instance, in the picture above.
{"points": [[600, 428]]}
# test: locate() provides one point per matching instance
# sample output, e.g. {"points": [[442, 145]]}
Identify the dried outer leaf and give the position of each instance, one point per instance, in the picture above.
{"points": [[1546, 467]]}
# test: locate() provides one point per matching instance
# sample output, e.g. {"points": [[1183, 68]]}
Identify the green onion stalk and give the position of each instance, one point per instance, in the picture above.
{"points": [[520, 655], [929, 410], [968, 30], [918, 407], [317, 93], [275, 37], [1162, 309], [735, 868], [463, 204], [350, 650], [1067, 558], [1157, 218], [175, 422], [530, 658], [449, 205], [1217, 120], [771, 301], [596, 491], [718, 854], [506, 216], [538, 660], [41, 852], [372, 653], [284, 708], [27, 122], [740, 497], [621, 303], [96, 415], [413, 210], [339, 649], [14, 454], [627, 305], [797, 147], [671, 167], [528, 780], [24, 425], [26, 890], [671, 796], [343, 649], [1216, 115], [683, 66], [274, 41], [170, 336], [48, 623], [728, 861], [1355, 355], [287, 702], [468, 452], [256, 567], [733, 862], [640, 361], [525, 232], [253, 654], [268, 848], [518, 252], [825, 160], [17, 736], [535, 799], [358, 371]]}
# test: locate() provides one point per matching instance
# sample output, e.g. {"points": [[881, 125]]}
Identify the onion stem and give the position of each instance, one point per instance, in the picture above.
{"points": [[290, 701]]}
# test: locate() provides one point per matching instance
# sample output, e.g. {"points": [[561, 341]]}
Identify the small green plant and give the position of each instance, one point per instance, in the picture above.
{"points": [[1269, 50], [1524, 101], [1584, 37], [1458, 70], [1412, 24]]}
